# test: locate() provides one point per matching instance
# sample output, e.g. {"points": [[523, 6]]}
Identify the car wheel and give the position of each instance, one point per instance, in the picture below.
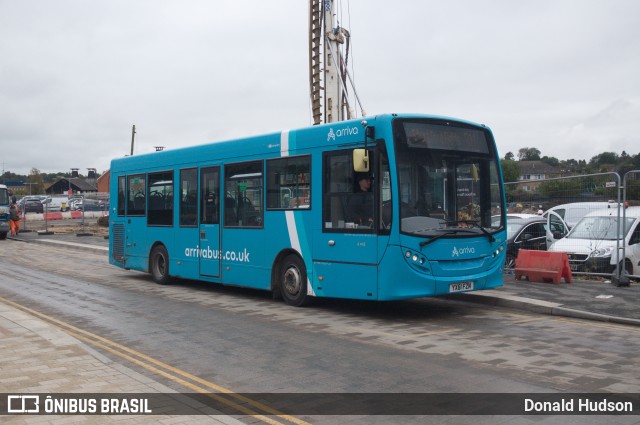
{"points": [[628, 268], [509, 262]]}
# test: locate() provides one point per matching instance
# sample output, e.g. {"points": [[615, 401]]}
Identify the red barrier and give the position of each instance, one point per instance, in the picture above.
{"points": [[76, 214], [53, 216], [543, 266]]}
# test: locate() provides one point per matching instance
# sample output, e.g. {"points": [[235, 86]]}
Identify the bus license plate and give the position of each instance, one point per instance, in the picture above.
{"points": [[462, 286]]}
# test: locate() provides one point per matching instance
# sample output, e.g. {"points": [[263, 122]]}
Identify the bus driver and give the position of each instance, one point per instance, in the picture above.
{"points": [[361, 202]]}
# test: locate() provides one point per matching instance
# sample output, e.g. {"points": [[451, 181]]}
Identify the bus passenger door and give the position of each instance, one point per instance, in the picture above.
{"points": [[209, 231], [345, 247]]}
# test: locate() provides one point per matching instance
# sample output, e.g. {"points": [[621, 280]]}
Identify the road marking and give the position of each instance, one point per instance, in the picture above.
{"points": [[154, 366]]}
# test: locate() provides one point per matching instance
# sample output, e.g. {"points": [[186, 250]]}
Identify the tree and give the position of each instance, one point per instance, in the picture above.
{"points": [[510, 170], [36, 181], [553, 161], [509, 156], [605, 158], [529, 154]]}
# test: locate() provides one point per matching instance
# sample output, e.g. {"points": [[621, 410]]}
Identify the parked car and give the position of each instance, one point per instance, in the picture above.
{"points": [[572, 213], [495, 219], [89, 205], [24, 199], [591, 244], [33, 205], [527, 233]]}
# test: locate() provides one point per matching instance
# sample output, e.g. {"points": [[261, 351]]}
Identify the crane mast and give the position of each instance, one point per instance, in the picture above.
{"points": [[328, 74]]}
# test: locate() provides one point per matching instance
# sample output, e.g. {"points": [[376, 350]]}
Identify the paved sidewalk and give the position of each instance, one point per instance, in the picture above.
{"points": [[39, 358], [584, 299]]}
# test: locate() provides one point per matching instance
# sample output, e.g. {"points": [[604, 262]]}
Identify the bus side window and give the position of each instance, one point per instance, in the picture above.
{"points": [[188, 197], [244, 205], [289, 183], [136, 200], [122, 192], [160, 199]]}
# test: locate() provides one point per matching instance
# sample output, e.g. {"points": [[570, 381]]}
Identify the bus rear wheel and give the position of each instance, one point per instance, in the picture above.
{"points": [[293, 281], [159, 265]]}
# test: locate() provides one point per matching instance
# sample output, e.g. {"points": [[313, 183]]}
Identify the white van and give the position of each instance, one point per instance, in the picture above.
{"points": [[591, 243], [56, 203], [572, 213]]}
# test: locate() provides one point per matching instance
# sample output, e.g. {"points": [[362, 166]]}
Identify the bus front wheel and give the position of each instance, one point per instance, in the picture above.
{"points": [[293, 281], [160, 265]]}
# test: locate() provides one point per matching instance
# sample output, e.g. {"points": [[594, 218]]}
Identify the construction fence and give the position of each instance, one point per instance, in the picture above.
{"points": [[595, 218]]}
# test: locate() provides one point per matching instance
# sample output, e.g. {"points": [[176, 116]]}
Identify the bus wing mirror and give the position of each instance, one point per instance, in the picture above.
{"points": [[360, 160]]}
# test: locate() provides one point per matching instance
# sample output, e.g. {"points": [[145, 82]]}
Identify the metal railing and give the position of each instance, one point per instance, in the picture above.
{"points": [[593, 191]]}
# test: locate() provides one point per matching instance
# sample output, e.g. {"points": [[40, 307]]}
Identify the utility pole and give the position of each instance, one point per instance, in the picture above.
{"points": [[133, 136], [328, 65]]}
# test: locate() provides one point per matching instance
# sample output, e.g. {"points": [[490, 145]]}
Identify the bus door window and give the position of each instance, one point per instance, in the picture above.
{"points": [[210, 195], [243, 195], [349, 196], [361, 201], [160, 199], [136, 199], [189, 197]]}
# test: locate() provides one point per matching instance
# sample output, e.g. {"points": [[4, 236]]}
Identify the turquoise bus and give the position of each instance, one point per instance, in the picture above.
{"points": [[394, 207], [4, 211]]}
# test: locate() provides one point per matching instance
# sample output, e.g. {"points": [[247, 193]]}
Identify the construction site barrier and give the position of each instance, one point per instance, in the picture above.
{"points": [[543, 266]]}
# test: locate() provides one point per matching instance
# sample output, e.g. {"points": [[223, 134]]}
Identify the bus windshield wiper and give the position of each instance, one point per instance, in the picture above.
{"points": [[447, 232], [475, 224]]}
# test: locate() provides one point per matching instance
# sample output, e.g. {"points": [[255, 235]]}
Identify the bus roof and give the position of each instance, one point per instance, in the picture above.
{"points": [[347, 133]]}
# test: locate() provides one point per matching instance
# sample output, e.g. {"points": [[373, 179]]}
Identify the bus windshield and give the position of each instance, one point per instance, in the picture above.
{"points": [[448, 178], [4, 196]]}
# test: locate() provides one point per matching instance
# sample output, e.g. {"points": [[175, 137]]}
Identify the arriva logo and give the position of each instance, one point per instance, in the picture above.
{"points": [[462, 251], [341, 132]]}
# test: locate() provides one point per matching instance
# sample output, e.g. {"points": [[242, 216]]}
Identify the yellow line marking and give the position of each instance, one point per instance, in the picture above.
{"points": [[106, 342]]}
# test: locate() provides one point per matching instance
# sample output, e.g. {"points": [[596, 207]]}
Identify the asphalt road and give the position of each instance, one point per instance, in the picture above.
{"points": [[244, 341]]}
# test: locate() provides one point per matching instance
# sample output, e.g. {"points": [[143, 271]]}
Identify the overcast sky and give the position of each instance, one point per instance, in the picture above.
{"points": [[559, 75]]}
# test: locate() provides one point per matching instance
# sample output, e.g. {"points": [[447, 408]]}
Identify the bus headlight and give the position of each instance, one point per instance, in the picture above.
{"points": [[416, 260]]}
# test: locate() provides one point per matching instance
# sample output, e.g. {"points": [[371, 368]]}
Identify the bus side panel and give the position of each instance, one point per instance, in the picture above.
{"points": [[136, 250], [343, 280], [185, 257], [243, 258]]}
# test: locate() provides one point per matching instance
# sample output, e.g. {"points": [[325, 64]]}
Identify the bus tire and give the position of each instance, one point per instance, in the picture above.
{"points": [[293, 281], [159, 265]]}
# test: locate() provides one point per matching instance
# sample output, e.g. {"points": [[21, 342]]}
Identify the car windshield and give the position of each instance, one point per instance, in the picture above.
{"points": [[448, 178], [599, 228]]}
